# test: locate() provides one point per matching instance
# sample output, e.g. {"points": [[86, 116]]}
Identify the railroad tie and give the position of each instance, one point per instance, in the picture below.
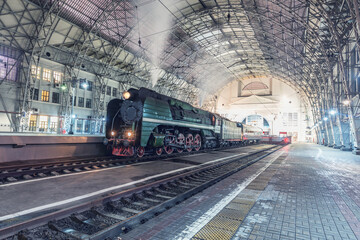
{"points": [[130, 210], [110, 215], [165, 192], [140, 204], [152, 200], [188, 184], [69, 231], [79, 218], [163, 196]]}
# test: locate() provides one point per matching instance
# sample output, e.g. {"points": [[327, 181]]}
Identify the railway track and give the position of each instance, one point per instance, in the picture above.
{"points": [[25, 172], [112, 216]]}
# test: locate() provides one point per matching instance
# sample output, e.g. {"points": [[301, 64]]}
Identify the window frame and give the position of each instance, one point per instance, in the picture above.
{"points": [[57, 76], [88, 103], [81, 81], [90, 85], [36, 71], [45, 96], [81, 103], [114, 92], [34, 94], [58, 97], [108, 90], [46, 74]]}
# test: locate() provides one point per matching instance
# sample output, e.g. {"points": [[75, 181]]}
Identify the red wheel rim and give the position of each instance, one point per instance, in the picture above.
{"points": [[158, 151], [189, 142], [180, 140], [168, 149], [140, 151], [197, 142]]}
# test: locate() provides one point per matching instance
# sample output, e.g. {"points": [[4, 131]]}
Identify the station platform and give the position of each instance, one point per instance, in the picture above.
{"points": [[304, 191], [22, 147]]}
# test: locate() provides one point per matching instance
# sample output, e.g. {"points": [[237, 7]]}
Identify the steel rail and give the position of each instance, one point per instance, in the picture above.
{"points": [[186, 179], [30, 171]]}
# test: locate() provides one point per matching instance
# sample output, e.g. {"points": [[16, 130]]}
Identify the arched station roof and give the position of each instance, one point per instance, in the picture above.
{"points": [[186, 48]]}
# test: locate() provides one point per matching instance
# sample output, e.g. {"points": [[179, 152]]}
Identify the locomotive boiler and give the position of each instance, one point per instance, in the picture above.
{"points": [[146, 121]]}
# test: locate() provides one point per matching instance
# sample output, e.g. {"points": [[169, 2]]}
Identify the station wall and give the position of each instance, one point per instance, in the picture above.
{"points": [[277, 102]]}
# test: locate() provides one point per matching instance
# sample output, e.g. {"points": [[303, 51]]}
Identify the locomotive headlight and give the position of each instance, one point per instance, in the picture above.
{"points": [[126, 95]]}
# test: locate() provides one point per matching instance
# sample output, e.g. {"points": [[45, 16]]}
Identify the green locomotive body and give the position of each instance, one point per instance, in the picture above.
{"points": [[146, 121]]}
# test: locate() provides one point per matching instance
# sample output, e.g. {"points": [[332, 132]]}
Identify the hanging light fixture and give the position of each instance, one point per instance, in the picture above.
{"points": [[346, 102], [137, 19]]}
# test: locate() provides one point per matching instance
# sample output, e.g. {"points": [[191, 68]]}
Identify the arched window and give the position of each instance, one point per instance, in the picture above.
{"points": [[255, 86]]}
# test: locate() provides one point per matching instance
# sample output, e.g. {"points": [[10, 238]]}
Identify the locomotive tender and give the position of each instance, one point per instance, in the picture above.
{"points": [[146, 121]]}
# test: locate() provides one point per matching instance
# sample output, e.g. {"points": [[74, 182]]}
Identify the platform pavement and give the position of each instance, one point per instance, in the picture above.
{"points": [[312, 193], [315, 194]]}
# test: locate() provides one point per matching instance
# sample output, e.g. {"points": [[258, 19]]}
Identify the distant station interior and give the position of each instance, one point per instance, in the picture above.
{"points": [[179, 119]]}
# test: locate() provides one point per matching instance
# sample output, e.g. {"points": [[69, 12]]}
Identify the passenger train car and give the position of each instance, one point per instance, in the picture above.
{"points": [[146, 121]]}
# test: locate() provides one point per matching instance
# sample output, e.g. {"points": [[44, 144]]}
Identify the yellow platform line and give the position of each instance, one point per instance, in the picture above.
{"points": [[225, 224]]}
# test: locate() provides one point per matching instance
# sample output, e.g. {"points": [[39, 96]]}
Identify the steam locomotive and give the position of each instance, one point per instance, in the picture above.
{"points": [[146, 121]]}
